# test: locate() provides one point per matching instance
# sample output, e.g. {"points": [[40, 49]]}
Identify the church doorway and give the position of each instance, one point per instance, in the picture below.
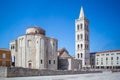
{"points": [[29, 64]]}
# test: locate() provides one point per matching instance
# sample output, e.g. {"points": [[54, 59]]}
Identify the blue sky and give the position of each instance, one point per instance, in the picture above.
{"points": [[57, 17]]}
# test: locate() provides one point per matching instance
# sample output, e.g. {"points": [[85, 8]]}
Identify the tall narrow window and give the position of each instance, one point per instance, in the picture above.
{"points": [[41, 61], [81, 46], [111, 58], [49, 61], [78, 46], [85, 46], [54, 61], [3, 55], [29, 43], [3, 61], [81, 26], [81, 36], [101, 61], [117, 58], [106, 61], [81, 55], [77, 27], [78, 37], [78, 55]]}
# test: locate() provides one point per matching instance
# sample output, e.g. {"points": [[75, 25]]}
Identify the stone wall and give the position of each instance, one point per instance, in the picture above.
{"points": [[23, 72], [69, 64], [3, 71]]}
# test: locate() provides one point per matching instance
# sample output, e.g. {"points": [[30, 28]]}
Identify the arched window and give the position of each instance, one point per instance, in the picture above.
{"points": [[81, 55], [78, 55], [81, 46], [77, 27], [81, 36], [78, 37], [81, 26], [78, 46], [13, 47], [41, 61]]}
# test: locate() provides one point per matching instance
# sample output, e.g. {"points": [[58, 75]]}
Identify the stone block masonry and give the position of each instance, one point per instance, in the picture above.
{"points": [[24, 72], [3, 72]]}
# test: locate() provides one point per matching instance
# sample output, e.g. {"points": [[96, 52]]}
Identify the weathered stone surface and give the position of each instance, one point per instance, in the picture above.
{"points": [[3, 71], [67, 62], [35, 50], [23, 72]]}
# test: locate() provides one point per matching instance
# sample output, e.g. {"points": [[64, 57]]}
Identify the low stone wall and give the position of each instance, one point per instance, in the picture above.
{"points": [[23, 72], [3, 71]]}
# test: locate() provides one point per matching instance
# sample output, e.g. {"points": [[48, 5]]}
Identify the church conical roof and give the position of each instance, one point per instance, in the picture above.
{"points": [[81, 13]]}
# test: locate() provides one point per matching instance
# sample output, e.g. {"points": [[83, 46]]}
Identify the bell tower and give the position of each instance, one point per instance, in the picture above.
{"points": [[82, 39]]}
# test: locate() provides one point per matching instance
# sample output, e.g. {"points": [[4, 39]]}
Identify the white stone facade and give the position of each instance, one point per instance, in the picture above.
{"points": [[107, 59], [82, 39], [35, 50]]}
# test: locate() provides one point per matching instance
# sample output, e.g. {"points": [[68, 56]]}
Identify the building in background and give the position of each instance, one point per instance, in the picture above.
{"points": [[106, 59], [92, 60], [82, 39], [35, 50], [5, 57], [67, 62]]}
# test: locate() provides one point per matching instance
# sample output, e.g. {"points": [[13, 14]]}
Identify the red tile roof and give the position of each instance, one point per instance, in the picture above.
{"points": [[108, 51]]}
